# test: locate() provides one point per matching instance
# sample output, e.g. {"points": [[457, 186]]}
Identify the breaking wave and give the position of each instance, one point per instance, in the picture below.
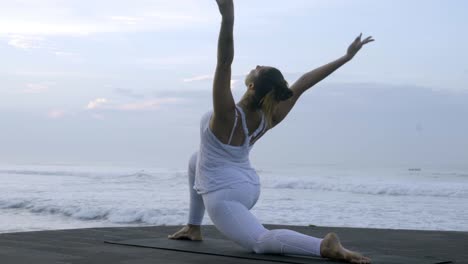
{"points": [[154, 216], [393, 189]]}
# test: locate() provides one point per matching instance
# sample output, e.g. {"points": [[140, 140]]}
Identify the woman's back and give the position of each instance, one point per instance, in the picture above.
{"points": [[220, 165]]}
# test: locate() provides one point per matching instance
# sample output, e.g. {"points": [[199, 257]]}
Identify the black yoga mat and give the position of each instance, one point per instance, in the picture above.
{"points": [[226, 248]]}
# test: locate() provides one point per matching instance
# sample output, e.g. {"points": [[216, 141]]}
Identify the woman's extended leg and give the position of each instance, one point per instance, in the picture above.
{"points": [[197, 208], [229, 211]]}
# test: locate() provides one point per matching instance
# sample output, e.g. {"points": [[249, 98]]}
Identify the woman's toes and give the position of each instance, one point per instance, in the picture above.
{"points": [[174, 236], [363, 260]]}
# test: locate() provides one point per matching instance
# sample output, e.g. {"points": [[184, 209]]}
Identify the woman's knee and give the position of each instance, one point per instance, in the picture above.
{"points": [[257, 246]]}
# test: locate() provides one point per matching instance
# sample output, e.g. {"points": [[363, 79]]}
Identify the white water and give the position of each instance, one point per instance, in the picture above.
{"points": [[61, 197]]}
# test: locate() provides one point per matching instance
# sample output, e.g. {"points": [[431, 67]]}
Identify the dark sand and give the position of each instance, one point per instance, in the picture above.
{"points": [[87, 246]]}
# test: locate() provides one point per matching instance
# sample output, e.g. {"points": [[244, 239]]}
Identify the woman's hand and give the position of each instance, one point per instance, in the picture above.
{"points": [[357, 45], [226, 8]]}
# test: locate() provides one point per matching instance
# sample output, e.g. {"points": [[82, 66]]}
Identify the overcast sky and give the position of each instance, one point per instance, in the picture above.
{"points": [[117, 82]]}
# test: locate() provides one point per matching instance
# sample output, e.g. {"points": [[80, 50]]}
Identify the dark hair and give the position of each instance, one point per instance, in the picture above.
{"points": [[270, 89]]}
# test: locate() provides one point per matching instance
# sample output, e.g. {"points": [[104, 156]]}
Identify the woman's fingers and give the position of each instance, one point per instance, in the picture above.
{"points": [[358, 43], [367, 40], [358, 38]]}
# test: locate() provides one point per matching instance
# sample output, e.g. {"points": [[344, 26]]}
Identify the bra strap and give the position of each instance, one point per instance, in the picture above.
{"points": [[234, 128], [261, 131], [260, 128], [244, 125]]}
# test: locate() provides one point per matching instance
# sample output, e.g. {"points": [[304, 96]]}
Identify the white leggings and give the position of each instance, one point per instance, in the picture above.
{"points": [[229, 211]]}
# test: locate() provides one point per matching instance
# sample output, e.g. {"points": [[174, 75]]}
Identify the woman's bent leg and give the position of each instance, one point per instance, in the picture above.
{"points": [[197, 207], [228, 209]]}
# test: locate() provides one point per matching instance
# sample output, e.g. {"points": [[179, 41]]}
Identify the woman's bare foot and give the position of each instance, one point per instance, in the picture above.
{"points": [[188, 232], [331, 248]]}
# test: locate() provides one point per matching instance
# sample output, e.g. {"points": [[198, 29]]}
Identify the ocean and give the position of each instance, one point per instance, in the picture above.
{"points": [[44, 197]]}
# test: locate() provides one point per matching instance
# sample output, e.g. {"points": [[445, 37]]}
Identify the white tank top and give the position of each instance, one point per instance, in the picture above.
{"points": [[220, 165]]}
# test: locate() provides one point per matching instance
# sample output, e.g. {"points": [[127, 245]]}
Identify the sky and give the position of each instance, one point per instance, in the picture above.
{"points": [[126, 82]]}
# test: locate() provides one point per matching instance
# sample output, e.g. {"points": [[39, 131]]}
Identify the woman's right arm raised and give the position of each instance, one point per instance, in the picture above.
{"points": [[223, 101]]}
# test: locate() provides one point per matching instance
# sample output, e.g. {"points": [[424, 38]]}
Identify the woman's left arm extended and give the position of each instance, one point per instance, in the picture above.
{"points": [[311, 78]]}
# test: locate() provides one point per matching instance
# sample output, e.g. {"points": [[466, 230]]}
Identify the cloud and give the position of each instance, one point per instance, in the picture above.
{"points": [[25, 42], [128, 93], [97, 116], [142, 105], [67, 54], [30, 25], [30, 42], [52, 17], [198, 78], [153, 104], [172, 60], [58, 74], [207, 77], [126, 19], [35, 88], [234, 84], [56, 114], [96, 103]]}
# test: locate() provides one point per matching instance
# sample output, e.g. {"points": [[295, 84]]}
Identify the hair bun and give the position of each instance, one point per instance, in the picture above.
{"points": [[283, 94]]}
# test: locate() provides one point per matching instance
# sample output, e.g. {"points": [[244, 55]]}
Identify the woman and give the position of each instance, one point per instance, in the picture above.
{"points": [[221, 178]]}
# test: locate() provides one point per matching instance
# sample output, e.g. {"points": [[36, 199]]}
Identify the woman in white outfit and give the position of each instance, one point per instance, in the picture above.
{"points": [[221, 178]]}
